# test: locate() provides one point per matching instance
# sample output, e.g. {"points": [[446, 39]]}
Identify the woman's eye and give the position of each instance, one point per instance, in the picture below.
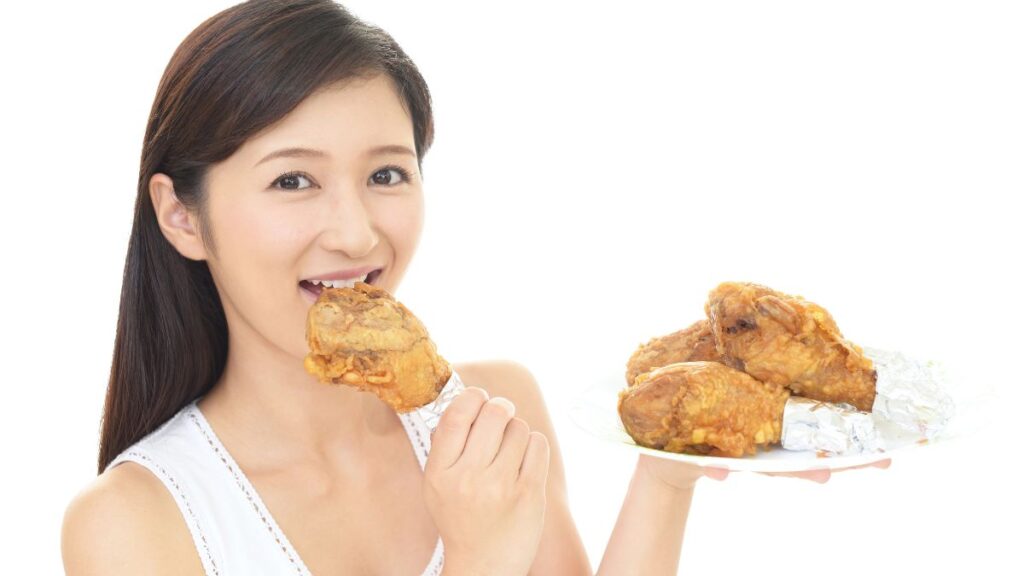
{"points": [[390, 176], [292, 182]]}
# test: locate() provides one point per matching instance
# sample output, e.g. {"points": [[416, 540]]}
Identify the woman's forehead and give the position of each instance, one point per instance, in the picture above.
{"points": [[346, 118]]}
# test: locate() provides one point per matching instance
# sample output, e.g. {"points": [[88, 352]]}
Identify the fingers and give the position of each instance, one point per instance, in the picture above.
{"points": [[535, 462], [716, 473], [487, 432], [449, 439], [883, 464], [513, 446], [823, 475], [819, 476]]}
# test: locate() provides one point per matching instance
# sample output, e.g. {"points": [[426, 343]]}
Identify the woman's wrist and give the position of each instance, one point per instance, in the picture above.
{"points": [[648, 534], [671, 478]]}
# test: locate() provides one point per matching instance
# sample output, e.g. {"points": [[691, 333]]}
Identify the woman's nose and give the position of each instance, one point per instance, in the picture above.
{"points": [[348, 225]]}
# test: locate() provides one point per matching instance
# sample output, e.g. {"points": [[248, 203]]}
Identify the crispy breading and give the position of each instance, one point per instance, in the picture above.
{"points": [[363, 337], [704, 408], [693, 343], [786, 340]]}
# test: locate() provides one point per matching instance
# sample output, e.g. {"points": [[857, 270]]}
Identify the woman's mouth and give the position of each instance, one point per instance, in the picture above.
{"points": [[312, 288]]}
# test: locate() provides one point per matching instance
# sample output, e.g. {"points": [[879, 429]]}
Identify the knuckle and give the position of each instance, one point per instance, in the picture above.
{"points": [[518, 427], [472, 393], [452, 422], [499, 407], [468, 402], [531, 489]]}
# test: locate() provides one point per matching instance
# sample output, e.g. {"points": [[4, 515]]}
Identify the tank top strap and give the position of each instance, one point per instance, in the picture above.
{"points": [[231, 528], [419, 437], [151, 453]]}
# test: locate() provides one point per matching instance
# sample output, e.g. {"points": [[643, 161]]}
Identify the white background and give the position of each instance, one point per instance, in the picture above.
{"points": [[597, 169]]}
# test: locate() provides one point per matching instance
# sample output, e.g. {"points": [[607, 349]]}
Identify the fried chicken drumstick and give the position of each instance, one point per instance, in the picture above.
{"points": [[363, 337], [693, 343], [704, 408], [786, 340]]}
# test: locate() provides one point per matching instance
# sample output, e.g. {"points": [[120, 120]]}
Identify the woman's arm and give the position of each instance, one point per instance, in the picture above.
{"points": [[648, 535]]}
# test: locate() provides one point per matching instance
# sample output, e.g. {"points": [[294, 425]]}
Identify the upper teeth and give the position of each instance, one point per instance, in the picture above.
{"points": [[341, 283]]}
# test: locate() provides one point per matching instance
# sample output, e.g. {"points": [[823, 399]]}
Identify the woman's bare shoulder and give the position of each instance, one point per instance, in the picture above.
{"points": [[126, 522], [505, 378], [514, 381]]}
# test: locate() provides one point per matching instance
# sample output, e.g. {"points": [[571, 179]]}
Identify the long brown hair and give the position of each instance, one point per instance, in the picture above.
{"points": [[238, 72]]}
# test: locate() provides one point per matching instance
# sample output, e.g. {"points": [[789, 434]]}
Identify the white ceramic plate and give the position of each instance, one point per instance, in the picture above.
{"points": [[595, 411]]}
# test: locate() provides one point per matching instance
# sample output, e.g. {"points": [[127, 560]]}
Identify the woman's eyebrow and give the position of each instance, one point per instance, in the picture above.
{"points": [[311, 153], [391, 149], [292, 153]]}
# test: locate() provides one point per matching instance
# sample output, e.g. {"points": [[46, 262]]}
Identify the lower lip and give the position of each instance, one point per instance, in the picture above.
{"points": [[311, 296]]}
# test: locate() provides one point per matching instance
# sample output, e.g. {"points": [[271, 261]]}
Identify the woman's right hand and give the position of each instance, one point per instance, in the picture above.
{"points": [[484, 486]]}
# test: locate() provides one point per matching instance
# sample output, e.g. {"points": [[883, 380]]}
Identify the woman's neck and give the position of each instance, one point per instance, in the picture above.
{"points": [[265, 402]]}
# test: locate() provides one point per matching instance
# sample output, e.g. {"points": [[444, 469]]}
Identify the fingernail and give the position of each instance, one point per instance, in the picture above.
{"points": [[506, 402]]}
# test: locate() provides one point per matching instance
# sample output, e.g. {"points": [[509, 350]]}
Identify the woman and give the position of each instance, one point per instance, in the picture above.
{"points": [[285, 146]]}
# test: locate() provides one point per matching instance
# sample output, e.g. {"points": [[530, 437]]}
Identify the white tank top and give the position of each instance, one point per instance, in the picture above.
{"points": [[231, 528]]}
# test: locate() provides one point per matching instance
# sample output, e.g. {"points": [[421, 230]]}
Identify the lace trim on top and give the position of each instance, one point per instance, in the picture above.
{"points": [[418, 434], [144, 459], [199, 420], [419, 447]]}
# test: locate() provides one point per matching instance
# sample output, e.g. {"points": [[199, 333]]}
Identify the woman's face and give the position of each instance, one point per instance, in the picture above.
{"points": [[351, 204]]}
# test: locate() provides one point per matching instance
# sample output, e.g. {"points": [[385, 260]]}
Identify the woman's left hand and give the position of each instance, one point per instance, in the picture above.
{"points": [[676, 474], [822, 476], [683, 475]]}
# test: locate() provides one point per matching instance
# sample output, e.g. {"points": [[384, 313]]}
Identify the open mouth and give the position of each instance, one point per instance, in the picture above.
{"points": [[316, 289]]}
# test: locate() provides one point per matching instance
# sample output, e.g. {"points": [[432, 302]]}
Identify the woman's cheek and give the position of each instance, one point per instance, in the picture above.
{"points": [[402, 221], [272, 233]]}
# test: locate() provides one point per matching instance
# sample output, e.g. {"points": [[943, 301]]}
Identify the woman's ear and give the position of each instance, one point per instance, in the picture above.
{"points": [[176, 222]]}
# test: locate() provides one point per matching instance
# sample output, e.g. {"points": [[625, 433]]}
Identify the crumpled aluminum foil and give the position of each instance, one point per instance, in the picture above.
{"points": [[833, 428], [911, 396], [911, 404], [431, 413]]}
